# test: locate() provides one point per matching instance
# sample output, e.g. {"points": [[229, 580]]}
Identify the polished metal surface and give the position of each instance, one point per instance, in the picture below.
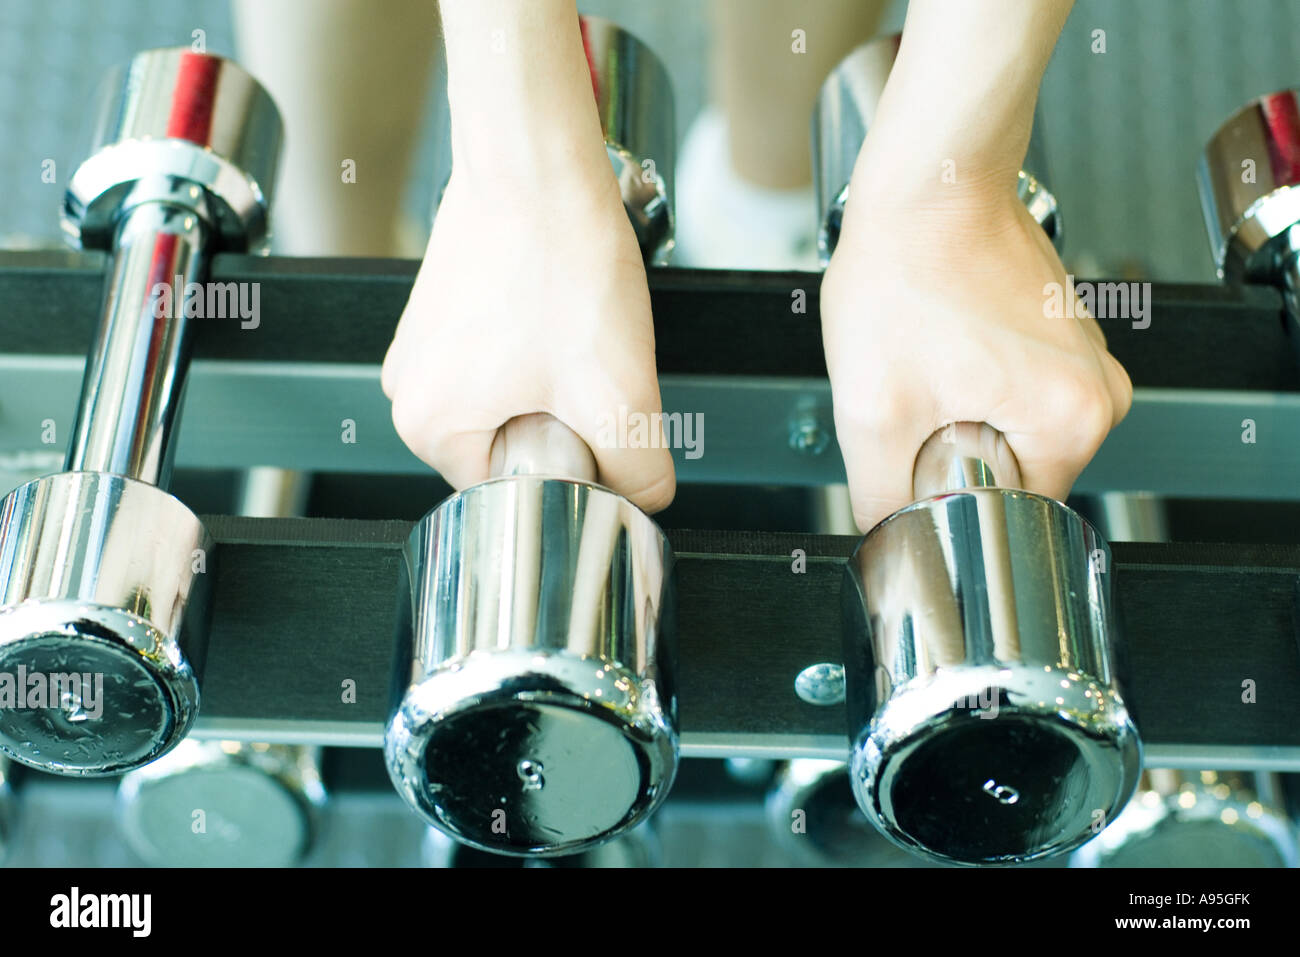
{"points": [[821, 684], [135, 377], [267, 492], [181, 164], [1133, 517], [1198, 819], [542, 446], [984, 707], [812, 812], [735, 680], [224, 804], [964, 455], [845, 111], [176, 115], [540, 717], [105, 578], [635, 100], [1247, 178]]}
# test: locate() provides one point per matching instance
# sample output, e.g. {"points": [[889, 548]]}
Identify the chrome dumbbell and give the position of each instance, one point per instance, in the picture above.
{"points": [[845, 110], [812, 813], [224, 804], [102, 573], [945, 618], [1198, 819], [229, 803], [1247, 177], [635, 101], [540, 716], [985, 712]]}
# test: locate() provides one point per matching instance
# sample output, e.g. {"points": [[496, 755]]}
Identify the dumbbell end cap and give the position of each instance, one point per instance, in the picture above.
{"points": [[1248, 177], [1201, 830], [1034, 776], [174, 115], [263, 806], [92, 694], [531, 753], [103, 601], [835, 833]]}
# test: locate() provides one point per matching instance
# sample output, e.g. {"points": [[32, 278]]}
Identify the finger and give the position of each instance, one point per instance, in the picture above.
{"points": [[390, 373], [403, 350], [1092, 329], [419, 417], [1071, 411], [1119, 385], [417, 315], [879, 453], [461, 458], [625, 430]]}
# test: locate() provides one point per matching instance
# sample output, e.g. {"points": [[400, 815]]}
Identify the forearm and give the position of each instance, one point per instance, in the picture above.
{"points": [[959, 104], [519, 89]]}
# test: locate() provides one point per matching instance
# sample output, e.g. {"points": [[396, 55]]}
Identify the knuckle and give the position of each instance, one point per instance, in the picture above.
{"points": [[1123, 399], [658, 493], [410, 417], [1079, 400], [388, 375], [872, 406]]}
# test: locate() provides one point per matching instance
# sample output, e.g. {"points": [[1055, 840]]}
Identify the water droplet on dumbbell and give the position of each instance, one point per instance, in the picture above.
{"points": [[530, 772]]}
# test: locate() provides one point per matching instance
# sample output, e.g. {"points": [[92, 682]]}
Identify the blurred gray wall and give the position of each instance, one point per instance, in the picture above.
{"points": [[1122, 128]]}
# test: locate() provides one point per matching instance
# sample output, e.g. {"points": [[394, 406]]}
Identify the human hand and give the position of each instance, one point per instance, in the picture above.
{"points": [[529, 300], [934, 312]]}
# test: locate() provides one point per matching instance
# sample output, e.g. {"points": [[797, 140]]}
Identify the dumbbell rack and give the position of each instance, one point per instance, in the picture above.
{"points": [[729, 347], [301, 606]]}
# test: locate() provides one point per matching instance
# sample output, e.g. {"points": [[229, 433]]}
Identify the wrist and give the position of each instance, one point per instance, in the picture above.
{"points": [[955, 152], [531, 163], [519, 92], [936, 228], [585, 210], [954, 120], [935, 192]]}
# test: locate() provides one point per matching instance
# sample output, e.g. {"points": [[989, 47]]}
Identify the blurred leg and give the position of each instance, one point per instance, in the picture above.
{"points": [[744, 177], [767, 90], [351, 79]]}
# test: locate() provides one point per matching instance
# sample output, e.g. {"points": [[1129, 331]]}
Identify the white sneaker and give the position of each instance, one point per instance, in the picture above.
{"points": [[724, 222]]}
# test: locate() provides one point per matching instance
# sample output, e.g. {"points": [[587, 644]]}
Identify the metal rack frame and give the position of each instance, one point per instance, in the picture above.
{"points": [[303, 605], [730, 348]]}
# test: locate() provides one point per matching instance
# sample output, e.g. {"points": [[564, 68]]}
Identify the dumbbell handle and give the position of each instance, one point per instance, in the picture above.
{"points": [[135, 376], [540, 444], [964, 455]]}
